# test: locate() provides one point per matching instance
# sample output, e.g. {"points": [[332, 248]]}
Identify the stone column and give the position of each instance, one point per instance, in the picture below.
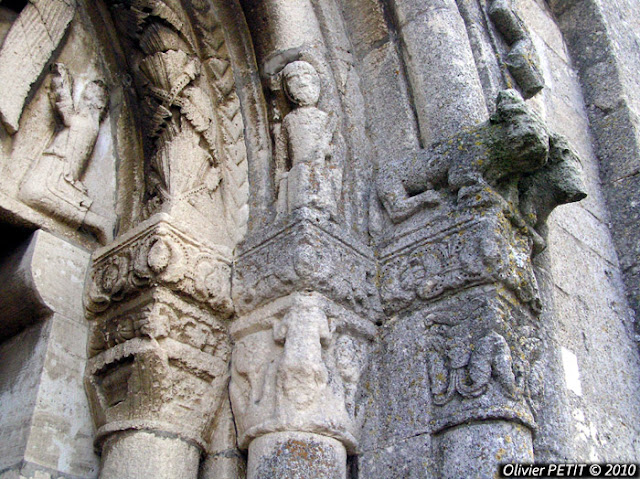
{"points": [[458, 261], [301, 341], [445, 84], [158, 353]]}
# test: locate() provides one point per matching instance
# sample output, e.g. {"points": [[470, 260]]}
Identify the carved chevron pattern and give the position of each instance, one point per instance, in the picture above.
{"points": [[217, 63]]}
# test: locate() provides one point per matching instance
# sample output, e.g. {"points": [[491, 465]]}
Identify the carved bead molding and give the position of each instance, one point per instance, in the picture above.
{"points": [[307, 303], [159, 349]]}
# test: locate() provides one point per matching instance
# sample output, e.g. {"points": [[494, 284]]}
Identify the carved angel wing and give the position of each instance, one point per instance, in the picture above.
{"points": [[31, 41]]}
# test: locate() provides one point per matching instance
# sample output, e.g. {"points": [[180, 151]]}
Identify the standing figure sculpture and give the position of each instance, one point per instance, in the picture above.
{"points": [[305, 145]]}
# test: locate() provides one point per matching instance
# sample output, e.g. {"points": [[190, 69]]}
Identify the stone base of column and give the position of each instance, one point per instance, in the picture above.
{"points": [[146, 454], [477, 450], [295, 454]]}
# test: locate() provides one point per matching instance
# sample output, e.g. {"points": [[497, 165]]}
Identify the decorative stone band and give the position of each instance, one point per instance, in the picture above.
{"points": [[306, 255], [162, 365], [295, 367], [460, 250], [481, 352], [157, 253]]}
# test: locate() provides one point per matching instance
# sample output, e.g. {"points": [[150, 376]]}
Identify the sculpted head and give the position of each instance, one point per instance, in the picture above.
{"points": [[301, 83], [525, 140], [95, 96]]}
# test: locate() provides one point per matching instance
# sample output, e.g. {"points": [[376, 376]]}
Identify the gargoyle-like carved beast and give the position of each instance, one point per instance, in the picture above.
{"points": [[514, 143]]}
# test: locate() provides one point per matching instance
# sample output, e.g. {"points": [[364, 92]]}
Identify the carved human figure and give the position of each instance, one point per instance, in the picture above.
{"points": [[74, 143], [304, 146], [304, 330]]}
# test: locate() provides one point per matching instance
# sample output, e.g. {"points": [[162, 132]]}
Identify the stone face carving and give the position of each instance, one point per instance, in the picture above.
{"points": [[522, 60], [305, 172], [27, 48], [61, 166]]}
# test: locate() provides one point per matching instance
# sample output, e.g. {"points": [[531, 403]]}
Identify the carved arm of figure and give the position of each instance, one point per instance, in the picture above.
{"points": [[61, 96], [74, 143]]}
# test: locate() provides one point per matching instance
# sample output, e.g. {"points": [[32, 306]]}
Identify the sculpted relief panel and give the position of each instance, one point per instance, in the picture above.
{"points": [[54, 184], [193, 140], [57, 142]]}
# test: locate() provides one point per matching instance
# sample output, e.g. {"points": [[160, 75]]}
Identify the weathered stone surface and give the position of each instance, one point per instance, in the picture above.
{"points": [[315, 245]]}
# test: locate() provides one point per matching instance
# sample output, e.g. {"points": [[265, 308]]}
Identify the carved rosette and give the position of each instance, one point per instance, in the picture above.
{"points": [[307, 301], [159, 349]]}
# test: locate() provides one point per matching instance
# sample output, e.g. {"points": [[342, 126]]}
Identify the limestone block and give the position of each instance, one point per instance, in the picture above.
{"points": [[33, 289], [44, 413]]}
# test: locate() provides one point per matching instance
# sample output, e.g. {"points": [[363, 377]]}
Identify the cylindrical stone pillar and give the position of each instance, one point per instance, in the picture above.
{"points": [[446, 87], [146, 454], [296, 454], [476, 450]]}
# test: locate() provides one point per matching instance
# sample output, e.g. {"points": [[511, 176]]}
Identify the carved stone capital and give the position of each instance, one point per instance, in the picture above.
{"points": [[159, 348], [456, 251], [481, 352], [306, 254], [295, 367], [158, 254]]}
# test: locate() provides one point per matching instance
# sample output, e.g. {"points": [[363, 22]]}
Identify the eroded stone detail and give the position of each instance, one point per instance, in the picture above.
{"points": [[29, 44], [522, 60], [159, 254], [295, 367], [193, 130], [305, 172], [159, 348], [466, 217], [304, 256], [54, 185]]}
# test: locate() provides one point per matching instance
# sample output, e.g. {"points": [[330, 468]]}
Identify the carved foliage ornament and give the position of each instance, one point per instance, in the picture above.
{"points": [[160, 256], [191, 110]]}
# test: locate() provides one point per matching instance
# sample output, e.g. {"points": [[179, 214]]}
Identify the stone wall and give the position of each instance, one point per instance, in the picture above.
{"points": [[317, 239]]}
